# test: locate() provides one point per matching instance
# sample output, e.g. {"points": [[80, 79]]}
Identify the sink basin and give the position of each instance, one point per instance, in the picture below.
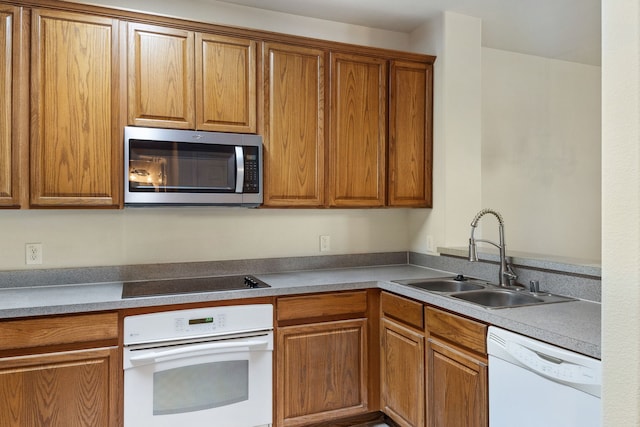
{"points": [[443, 284], [482, 293], [504, 298]]}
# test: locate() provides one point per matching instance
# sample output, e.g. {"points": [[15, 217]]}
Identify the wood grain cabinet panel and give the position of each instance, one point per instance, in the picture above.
{"points": [[72, 388], [75, 145], [48, 331], [13, 81], [358, 117], [310, 308], [457, 394], [410, 135], [226, 83], [457, 390], [359, 108], [191, 80], [402, 374], [7, 32], [294, 137], [407, 311], [161, 76], [60, 371], [322, 372]]}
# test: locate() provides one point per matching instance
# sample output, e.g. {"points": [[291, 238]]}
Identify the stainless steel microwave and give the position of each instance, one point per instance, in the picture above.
{"points": [[183, 167]]}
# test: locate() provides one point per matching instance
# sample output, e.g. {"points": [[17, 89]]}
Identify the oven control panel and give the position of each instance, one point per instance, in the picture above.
{"points": [[196, 323], [201, 324]]}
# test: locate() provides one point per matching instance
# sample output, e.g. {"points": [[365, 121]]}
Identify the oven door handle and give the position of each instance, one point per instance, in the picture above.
{"points": [[194, 350]]}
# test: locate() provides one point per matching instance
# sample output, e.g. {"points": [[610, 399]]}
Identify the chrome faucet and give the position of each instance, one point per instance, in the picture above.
{"points": [[505, 276]]}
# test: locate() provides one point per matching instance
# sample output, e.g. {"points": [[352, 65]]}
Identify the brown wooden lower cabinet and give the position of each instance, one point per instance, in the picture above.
{"points": [[402, 379], [402, 374], [60, 371], [322, 371], [322, 368], [433, 366], [457, 386], [457, 393], [71, 388]]}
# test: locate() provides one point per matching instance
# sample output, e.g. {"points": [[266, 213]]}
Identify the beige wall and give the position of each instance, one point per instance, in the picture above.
{"points": [[621, 212], [541, 140], [512, 132], [456, 40], [150, 235]]}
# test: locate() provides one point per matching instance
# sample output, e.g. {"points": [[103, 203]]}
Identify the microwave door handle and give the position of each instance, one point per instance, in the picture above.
{"points": [[239, 169], [193, 350]]}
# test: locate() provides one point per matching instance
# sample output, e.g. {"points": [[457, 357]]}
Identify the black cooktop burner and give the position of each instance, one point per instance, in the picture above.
{"points": [[147, 288]]}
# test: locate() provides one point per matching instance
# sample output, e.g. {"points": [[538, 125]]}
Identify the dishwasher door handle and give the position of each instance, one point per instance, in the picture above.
{"points": [[194, 350]]}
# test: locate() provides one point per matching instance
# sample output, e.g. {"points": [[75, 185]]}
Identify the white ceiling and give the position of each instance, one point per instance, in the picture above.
{"points": [[560, 29]]}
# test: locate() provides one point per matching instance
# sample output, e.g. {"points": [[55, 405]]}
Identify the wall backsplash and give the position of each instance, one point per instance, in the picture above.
{"points": [[83, 238]]}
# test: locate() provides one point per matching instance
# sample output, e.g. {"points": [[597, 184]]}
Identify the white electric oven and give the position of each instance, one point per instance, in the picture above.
{"points": [[199, 367]]}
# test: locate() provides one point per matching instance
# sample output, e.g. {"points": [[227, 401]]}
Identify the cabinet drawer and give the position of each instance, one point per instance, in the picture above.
{"points": [[45, 331], [402, 309], [462, 331], [322, 305]]}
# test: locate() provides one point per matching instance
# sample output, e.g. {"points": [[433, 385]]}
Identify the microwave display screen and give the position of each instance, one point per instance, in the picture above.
{"points": [[159, 166]]}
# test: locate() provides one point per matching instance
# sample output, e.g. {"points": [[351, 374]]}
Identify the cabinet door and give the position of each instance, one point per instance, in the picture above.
{"points": [[73, 388], [321, 372], [13, 78], [410, 140], [75, 141], [457, 391], [294, 126], [226, 82], [161, 76], [402, 374], [357, 147]]}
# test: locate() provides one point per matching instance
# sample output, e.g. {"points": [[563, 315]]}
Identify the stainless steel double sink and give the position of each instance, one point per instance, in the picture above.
{"points": [[483, 293]]}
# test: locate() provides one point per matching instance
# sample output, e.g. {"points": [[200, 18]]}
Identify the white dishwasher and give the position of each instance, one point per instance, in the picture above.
{"points": [[534, 384]]}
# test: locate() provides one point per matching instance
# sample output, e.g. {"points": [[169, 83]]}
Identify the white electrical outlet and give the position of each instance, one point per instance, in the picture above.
{"points": [[33, 253], [430, 247], [325, 243]]}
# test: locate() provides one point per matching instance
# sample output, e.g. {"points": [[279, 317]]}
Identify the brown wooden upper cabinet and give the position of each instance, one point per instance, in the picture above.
{"points": [[410, 134], [294, 136], [358, 123], [343, 125], [76, 148], [13, 78], [349, 162], [189, 80]]}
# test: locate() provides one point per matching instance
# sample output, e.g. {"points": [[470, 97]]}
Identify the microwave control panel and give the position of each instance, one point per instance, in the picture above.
{"points": [[251, 170]]}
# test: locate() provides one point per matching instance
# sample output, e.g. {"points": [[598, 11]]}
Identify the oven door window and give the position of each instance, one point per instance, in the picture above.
{"points": [[156, 166], [203, 386]]}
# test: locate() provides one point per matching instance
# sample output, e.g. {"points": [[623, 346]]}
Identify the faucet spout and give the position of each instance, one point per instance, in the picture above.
{"points": [[505, 274]]}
